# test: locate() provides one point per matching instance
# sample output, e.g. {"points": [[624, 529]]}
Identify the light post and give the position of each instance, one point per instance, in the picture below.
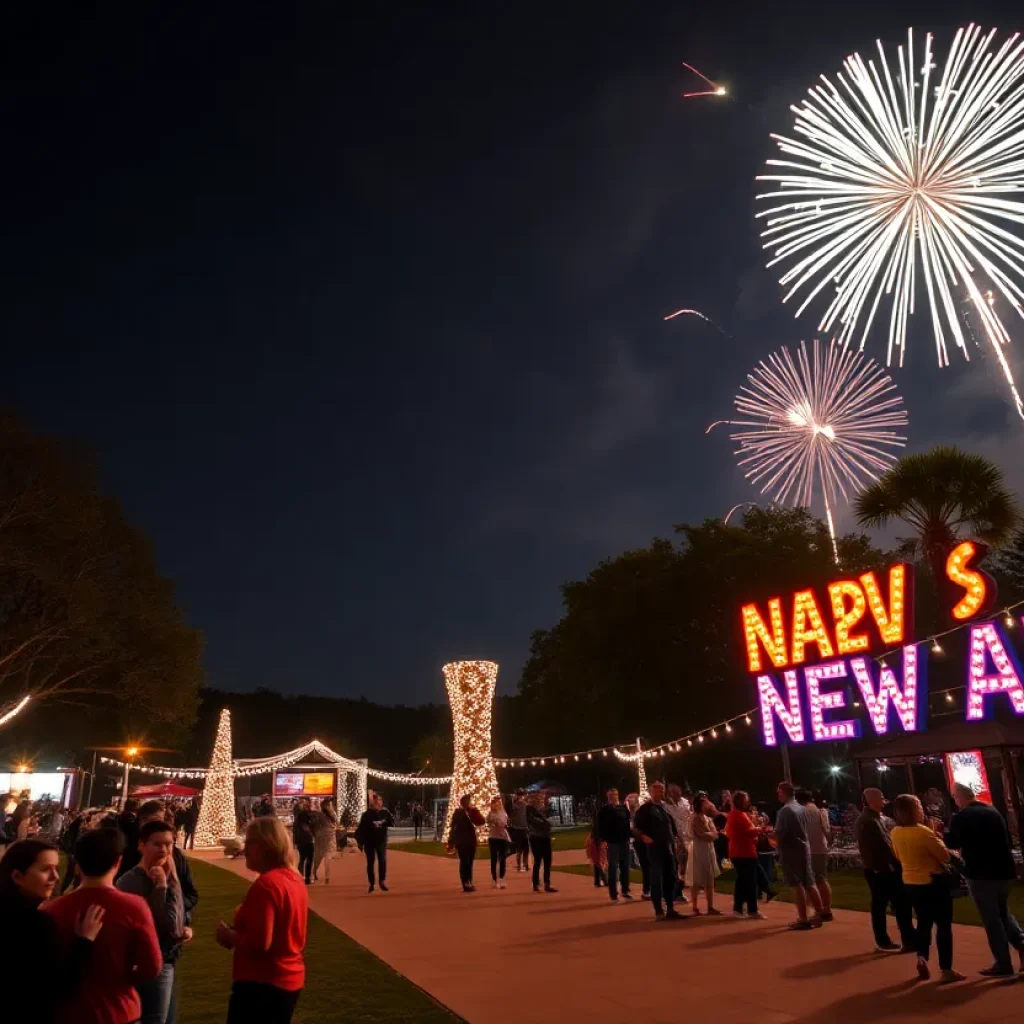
{"points": [[130, 753]]}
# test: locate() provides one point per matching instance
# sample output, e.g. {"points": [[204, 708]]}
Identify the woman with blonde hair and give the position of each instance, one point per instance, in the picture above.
{"points": [[269, 931], [923, 857]]}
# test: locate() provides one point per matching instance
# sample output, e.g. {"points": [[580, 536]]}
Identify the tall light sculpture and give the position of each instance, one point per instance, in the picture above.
{"points": [[470, 686], [217, 810]]}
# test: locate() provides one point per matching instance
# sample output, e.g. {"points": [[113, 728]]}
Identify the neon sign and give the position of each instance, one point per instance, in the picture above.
{"points": [[807, 663]]}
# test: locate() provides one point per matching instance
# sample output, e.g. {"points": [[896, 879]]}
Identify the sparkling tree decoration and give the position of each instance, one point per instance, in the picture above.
{"points": [[470, 686], [217, 811]]}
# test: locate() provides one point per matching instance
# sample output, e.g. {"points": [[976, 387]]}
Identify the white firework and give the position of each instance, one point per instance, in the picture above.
{"points": [[824, 422], [906, 172]]}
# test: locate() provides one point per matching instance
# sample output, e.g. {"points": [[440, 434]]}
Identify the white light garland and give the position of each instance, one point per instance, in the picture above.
{"points": [[217, 810], [470, 686]]}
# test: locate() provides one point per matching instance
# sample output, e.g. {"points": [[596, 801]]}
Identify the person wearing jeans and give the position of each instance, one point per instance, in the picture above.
{"points": [[154, 879], [498, 841], [743, 834], [372, 839], [979, 832], [883, 873], [924, 859], [540, 842], [656, 831], [462, 839], [613, 833]]}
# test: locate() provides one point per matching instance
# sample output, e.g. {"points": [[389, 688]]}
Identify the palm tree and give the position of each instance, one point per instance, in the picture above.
{"points": [[942, 494]]}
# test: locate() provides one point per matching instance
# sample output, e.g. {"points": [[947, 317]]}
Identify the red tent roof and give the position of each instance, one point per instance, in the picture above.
{"points": [[163, 789]]}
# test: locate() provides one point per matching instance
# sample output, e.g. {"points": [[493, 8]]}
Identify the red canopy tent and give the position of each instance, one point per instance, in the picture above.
{"points": [[163, 789]]}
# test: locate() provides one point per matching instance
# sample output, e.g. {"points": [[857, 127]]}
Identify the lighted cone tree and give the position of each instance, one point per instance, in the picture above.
{"points": [[470, 686], [217, 810]]}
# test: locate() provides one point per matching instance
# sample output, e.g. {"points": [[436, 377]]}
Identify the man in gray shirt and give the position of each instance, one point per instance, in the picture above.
{"points": [[795, 858], [155, 879]]}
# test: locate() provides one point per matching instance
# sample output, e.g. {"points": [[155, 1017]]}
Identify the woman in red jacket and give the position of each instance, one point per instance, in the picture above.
{"points": [[743, 833], [269, 933]]}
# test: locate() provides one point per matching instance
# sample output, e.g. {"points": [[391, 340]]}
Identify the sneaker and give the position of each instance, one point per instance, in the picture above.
{"points": [[826, 915], [888, 947], [627, 896], [494, 885], [383, 887], [615, 899], [995, 971], [948, 977], [645, 895], [371, 888], [817, 921], [501, 884], [714, 912], [536, 888], [674, 915], [548, 888], [738, 913], [759, 916], [800, 926], [660, 915], [922, 969]]}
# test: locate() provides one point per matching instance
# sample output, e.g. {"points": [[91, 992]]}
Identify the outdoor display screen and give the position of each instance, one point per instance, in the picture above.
{"points": [[303, 783]]}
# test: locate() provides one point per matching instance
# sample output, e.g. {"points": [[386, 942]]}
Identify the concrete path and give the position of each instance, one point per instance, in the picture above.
{"points": [[494, 956]]}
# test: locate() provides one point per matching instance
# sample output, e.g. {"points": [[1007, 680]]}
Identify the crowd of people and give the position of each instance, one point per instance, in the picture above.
{"points": [[103, 945]]}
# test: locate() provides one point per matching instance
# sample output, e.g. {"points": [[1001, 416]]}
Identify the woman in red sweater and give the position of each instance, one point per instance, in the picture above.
{"points": [[743, 833], [269, 932]]}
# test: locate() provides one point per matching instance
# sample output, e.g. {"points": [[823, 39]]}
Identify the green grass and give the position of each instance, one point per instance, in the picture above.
{"points": [[567, 839], [344, 981], [849, 892]]}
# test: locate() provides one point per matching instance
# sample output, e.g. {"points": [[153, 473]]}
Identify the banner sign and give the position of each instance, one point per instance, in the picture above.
{"points": [[807, 652]]}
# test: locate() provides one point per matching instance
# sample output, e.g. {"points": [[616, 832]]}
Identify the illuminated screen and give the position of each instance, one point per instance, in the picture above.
{"points": [[288, 784], [318, 784]]}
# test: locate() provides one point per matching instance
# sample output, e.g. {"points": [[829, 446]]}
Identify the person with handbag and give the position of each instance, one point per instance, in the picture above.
{"points": [[979, 832], [924, 859]]}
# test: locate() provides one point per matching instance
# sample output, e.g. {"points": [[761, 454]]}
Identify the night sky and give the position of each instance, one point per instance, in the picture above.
{"points": [[361, 305]]}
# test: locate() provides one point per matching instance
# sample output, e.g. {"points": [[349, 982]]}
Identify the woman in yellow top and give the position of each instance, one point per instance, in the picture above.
{"points": [[923, 856]]}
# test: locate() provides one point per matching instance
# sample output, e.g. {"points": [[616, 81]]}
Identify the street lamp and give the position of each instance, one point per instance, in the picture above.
{"points": [[130, 752]]}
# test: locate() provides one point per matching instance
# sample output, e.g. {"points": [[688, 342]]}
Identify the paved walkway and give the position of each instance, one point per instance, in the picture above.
{"points": [[492, 956]]}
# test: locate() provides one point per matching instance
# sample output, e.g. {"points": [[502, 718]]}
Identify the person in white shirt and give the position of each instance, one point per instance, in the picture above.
{"points": [[819, 831], [498, 840], [679, 809]]}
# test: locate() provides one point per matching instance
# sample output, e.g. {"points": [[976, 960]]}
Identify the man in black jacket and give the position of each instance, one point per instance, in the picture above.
{"points": [[979, 832], [372, 839], [884, 876], [613, 832], [655, 828]]}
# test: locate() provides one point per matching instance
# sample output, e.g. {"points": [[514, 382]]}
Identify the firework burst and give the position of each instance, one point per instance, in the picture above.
{"points": [[827, 421], [903, 175]]}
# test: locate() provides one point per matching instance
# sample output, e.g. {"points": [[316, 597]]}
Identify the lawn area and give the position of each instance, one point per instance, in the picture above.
{"points": [[849, 892], [564, 839], [344, 981]]}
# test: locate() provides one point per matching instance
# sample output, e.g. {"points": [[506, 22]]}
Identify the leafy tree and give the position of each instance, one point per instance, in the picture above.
{"points": [[651, 640], [1008, 568], [433, 754], [85, 618], [943, 494]]}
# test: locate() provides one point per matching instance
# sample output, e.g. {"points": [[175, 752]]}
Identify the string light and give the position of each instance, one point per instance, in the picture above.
{"points": [[936, 647], [470, 686], [217, 810], [949, 698]]}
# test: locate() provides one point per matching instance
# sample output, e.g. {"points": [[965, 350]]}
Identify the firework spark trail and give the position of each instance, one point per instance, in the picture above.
{"points": [[697, 313], [715, 90], [899, 176], [824, 421]]}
